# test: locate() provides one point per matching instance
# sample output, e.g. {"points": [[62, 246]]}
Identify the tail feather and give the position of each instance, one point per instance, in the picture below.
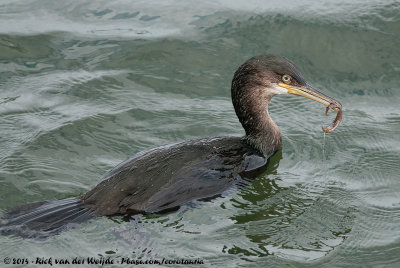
{"points": [[29, 212], [43, 219]]}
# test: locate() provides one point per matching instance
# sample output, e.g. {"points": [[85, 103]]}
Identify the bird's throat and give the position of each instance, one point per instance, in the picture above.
{"points": [[264, 134]]}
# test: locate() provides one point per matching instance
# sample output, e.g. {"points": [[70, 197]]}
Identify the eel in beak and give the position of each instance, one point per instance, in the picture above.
{"points": [[311, 93]]}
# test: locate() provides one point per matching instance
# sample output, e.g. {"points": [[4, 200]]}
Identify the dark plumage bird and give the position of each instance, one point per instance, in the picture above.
{"points": [[166, 177]]}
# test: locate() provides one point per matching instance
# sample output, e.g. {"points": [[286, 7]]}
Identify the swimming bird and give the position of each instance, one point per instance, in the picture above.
{"points": [[163, 178]]}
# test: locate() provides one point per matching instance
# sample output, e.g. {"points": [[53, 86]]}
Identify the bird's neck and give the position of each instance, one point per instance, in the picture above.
{"points": [[250, 98], [262, 132], [251, 107]]}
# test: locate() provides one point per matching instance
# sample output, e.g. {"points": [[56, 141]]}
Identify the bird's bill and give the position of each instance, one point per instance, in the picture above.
{"points": [[311, 93]]}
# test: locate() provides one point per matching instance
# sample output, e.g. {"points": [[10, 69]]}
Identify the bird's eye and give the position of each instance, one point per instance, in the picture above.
{"points": [[286, 79]]}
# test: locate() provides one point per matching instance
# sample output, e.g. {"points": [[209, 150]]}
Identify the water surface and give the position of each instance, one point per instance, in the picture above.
{"points": [[84, 85]]}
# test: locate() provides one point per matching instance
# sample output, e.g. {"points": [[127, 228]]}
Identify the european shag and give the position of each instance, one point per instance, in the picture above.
{"points": [[166, 177]]}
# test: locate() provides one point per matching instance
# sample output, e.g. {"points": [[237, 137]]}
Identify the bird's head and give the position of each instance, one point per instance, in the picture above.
{"points": [[261, 77]]}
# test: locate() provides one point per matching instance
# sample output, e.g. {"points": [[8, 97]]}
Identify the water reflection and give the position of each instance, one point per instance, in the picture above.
{"points": [[287, 221]]}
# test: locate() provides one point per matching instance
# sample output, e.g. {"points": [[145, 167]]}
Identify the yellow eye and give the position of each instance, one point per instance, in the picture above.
{"points": [[286, 79]]}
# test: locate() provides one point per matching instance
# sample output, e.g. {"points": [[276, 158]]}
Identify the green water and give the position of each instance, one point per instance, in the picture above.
{"points": [[84, 85]]}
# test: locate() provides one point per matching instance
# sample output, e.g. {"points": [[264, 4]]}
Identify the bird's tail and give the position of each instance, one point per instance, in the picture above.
{"points": [[43, 219]]}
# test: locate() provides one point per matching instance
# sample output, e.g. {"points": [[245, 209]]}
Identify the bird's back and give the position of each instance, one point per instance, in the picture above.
{"points": [[169, 176]]}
